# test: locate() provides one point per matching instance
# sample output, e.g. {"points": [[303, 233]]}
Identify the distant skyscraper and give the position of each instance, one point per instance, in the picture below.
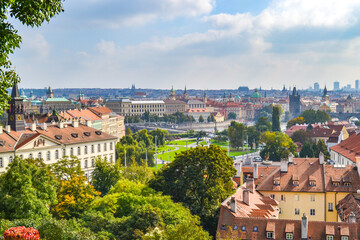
{"points": [[336, 86], [316, 86], [357, 85]]}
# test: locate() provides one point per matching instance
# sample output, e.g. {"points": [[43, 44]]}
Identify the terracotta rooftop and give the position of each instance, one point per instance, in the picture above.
{"points": [[84, 114], [257, 228], [348, 205], [100, 110], [349, 148]]}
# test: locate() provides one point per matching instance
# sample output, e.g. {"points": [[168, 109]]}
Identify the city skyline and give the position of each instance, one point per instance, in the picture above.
{"points": [[205, 44]]}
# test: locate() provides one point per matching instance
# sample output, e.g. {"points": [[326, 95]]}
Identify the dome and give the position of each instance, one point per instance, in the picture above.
{"points": [[256, 94]]}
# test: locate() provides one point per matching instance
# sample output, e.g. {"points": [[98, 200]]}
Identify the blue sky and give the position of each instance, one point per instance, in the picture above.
{"points": [[205, 44]]}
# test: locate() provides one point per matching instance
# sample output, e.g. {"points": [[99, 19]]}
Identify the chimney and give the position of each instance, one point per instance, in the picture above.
{"points": [[256, 171], [321, 158], [291, 157], [61, 125], [233, 204], [352, 218], [250, 184], [1, 130], [284, 165], [246, 196], [8, 128], [304, 227], [88, 123], [43, 126], [33, 127], [75, 123]]}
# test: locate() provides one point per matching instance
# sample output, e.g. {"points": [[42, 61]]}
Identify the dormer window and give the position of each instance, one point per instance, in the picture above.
{"points": [[295, 183], [235, 227], [289, 236], [74, 135], [347, 184], [243, 228], [277, 181], [335, 181], [255, 229], [312, 183], [270, 235]]}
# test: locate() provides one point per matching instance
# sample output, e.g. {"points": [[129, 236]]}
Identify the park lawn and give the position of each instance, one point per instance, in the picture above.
{"points": [[238, 153], [181, 142], [163, 156], [159, 166], [164, 148], [218, 143]]}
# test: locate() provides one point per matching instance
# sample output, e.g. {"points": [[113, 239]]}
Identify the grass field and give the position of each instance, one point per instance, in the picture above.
{"points": [[181, 142]]}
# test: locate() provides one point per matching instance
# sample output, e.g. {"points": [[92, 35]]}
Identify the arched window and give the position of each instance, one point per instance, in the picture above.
{"points": [[99, 148], [1, 162], [92, 149], [93, 162], [64, 152], [111, 146], [57, 154], [86, 163], [71, 152], [105, 147], [79, 151], [10, 159], [21, 156], [39, 155], [85, 150], [111, 158], [30, 156], [48, 155]]}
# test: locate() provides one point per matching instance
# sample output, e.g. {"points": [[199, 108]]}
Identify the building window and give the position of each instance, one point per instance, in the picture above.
{"points": [[329, 237], [312, 198], [297, 197], [243, 228], [235, 227], [272, 196], [21, 156], [64, 152], [79, 151], [269, 235], [10, 159], [93, 162], [223, 227], [105, 147], [85, 150], [312, 183], [330, 207], [92, 149], [99, 148], [280, 211], [111, 158], [347, 184], [30, 156], [289, 236], [57, 154], [86, 163], [71, 152], [111, 146], [312, 212], [255, 229], [297, 211], [282, 197], [48, 155], [39, 155], [344, 238], [1, 162]]}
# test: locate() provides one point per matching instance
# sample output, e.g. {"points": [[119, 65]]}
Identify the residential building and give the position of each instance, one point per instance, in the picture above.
{"points": [[127, 107], [196, 113], [346, 152], [173, 106], [331, 134]]}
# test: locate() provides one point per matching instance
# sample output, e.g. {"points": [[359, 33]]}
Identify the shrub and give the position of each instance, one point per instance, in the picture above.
{"points": [[21, 233]]}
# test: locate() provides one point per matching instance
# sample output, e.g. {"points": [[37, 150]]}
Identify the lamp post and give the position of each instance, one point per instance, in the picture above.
{"points": [[155, 152]]}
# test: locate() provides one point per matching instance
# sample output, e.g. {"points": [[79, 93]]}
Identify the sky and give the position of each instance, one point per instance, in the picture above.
{"points": [[203, 44]]}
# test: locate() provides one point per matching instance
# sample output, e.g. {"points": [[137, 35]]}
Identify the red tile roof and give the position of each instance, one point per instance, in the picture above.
{"points": [[349, 148], [100, 110]]}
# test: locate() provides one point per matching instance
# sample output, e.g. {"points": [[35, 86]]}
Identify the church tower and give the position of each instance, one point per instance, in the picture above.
{"points": [[294, 103], [185, 95], [172, 94], [49, 93], [16, 110]]}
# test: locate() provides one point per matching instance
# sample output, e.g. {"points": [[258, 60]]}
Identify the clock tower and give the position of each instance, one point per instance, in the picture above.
{"points": [[16, 110]]}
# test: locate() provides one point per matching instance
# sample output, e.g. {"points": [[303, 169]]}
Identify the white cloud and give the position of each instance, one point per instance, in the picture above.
{"points": [[37, 45]]}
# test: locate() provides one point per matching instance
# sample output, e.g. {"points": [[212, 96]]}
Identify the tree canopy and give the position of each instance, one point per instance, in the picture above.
{"points": [[278, 145], [200, 178], [236, 134], [276, 114], [231, 115]]}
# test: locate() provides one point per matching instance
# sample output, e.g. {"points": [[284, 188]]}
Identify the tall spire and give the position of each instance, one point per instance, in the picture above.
{"points": [[185, 90], [15, 91]]}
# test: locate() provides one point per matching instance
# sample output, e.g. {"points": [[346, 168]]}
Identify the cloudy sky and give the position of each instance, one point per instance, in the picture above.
{"points": [[205, 44]]}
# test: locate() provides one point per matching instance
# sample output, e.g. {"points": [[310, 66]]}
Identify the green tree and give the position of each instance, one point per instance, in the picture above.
{"points": [[105, 175], [278, 145], [135, 172], [160, 136], [321, 147], [30, 13], [300, 136], [143, 136], [128, 140], [211, 118], [299, 120], [146, 116], [66, 167], [263, 124], [236, 134], [200, 178], [231, 115], [306, 151], [201, 119], [276, 114], [132, 210], [128, 132], [74, 197], [312, 116], [253, 136], [28, 190]]}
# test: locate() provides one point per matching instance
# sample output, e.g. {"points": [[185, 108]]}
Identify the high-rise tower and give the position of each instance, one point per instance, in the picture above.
{"points": [[16, 110]]}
